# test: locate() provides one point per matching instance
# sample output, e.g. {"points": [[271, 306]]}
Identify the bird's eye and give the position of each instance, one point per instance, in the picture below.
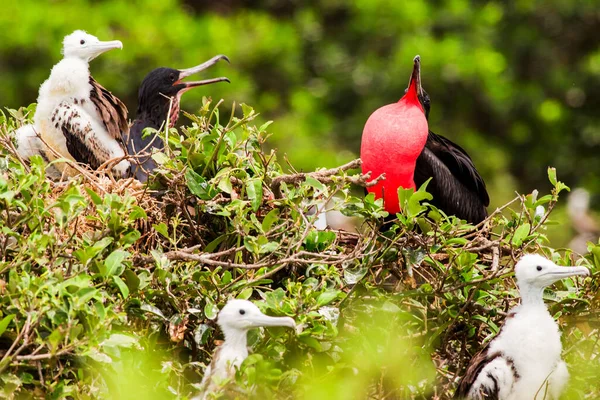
{"points": [[82, 41], [539, 268], [242, 312], [172, 78]]}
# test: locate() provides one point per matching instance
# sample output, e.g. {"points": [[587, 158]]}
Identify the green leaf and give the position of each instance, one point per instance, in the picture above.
{"points": [[311, 342], [162, 229], [520, 234], [137, 213], [213, 245], [85, 254], [327, 297], [152, 309], [4, 323], [552, 175], [315, 183], [199, 186], [120, 340], [245, 294], [210, 310], [97, 200], [122, 286], [114, 261], [254, 191], [269, 219]]}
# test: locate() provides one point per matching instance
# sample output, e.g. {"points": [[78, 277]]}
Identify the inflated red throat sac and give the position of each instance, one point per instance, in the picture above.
{"points": [[392, 140]]}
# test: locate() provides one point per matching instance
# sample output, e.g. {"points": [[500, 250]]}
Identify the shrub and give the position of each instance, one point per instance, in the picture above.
{"points": [[111, 290]]}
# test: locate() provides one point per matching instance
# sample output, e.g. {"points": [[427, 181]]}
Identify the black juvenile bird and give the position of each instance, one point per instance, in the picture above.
{"points": [[456, 186], [158, 99]]}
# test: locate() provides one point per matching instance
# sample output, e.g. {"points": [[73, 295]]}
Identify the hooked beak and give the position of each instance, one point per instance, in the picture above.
{"points": [[265, 320], [194, 70], [102, 47], [556, 273], [414, 84]]}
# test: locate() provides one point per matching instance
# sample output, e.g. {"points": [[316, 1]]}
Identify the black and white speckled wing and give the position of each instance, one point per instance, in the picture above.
{"points": [[490, 376], [83, 135]]}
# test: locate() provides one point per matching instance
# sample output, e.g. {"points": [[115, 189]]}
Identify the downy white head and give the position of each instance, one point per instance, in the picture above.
{"points": [[241, 315], [86, 47], [534, 273]]}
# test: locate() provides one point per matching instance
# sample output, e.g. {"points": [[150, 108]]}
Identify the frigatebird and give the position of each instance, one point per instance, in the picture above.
{"points": [[158, 99], [524, 360], [78, 118], [235, 319], [397, 141]]}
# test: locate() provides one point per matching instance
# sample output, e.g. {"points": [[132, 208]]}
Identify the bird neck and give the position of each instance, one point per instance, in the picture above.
{"points": [[532, 296], [156, 110], [236, 341], [411, 98]]}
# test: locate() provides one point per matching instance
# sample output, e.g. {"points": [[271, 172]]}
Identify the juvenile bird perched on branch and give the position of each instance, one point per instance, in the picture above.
{"points": [[397, 141], [235, 319], [524, 360], [76, 117], [158, 101]]}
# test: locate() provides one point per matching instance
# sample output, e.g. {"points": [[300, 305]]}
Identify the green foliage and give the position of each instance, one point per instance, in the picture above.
{"points": [[514, 84], [109, 291]]}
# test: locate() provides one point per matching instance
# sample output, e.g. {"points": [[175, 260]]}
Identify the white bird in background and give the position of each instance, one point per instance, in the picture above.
{"points": [[524, 360], [235, 319], [75, 115], [583, 223]]}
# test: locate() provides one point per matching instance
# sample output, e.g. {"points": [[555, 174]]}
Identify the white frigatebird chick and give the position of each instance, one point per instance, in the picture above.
{"points": [[524, 360], [235, 319], [158, 100], [78, 118], [397, 141]]}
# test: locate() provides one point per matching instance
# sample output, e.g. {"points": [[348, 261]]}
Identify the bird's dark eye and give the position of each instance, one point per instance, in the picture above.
{"points": [[242, 312], [172, 78], [539, 268], [82, 41]]}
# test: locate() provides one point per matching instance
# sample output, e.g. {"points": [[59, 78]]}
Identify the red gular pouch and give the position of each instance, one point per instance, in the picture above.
{"points": [[392, 140]]}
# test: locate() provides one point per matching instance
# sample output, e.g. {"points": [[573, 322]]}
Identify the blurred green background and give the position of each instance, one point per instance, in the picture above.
{"points": [[514, 83]]}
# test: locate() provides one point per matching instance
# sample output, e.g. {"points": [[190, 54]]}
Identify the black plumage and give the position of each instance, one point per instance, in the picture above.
{"points": [[158, 102], [456, 186]]}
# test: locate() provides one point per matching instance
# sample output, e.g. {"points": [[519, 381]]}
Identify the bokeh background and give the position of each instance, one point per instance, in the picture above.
{"points": [[514, 83]]}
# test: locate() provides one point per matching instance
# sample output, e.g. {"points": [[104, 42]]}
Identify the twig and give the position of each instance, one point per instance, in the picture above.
{"points": [[325, 176]]}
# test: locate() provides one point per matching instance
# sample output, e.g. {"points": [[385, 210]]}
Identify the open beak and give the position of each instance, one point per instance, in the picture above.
{"points": [[103, 47], [265, 320], [414, 84], [194, 70], [557, 273]]}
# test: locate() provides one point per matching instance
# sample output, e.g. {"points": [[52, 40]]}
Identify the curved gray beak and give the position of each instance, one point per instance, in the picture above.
{"points": [[557, 273], [265, 320], [102, 47], [415, 77], [194, 70]]}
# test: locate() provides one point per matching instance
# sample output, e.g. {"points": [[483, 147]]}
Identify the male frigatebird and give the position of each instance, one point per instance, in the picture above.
{"points": [[397, 141], [235, 319], [158, 99], [78, 118], [524, 360]]}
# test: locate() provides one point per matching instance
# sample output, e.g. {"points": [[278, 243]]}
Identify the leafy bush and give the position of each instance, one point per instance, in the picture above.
{"points": [[111, 290]]}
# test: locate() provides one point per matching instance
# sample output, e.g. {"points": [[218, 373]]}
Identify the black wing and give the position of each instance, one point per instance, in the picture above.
{"points": [[142, 147], [456, 186]]}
